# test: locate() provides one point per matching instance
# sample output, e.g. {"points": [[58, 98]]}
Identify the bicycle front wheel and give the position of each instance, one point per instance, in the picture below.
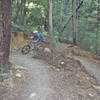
{"points": [[25, 50]]}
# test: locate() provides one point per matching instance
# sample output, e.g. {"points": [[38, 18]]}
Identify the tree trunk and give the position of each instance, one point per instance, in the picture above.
{"points": [[24, 13], [5, 21], [50, 26], [98, 15], [17, 11], [74, 20], [18, 15]]}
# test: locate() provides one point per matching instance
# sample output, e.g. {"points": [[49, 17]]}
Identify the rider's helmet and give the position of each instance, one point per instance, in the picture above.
{"points": [[35, 32]]}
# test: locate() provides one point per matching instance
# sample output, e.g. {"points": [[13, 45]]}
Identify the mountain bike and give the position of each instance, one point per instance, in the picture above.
{"points": [[31, 46]]}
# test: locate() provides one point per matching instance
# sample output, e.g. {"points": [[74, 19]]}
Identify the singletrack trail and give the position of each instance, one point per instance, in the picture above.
{"points": [[43, 83]]}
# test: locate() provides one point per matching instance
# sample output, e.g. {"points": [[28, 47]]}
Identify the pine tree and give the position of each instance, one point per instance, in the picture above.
{"points": [[5, 21]]}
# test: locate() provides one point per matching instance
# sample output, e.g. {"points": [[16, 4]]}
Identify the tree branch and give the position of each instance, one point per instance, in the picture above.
{"points": [[80, 4]]}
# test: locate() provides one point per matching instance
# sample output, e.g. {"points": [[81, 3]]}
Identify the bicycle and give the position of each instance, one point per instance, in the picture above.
{"points": [[31, 47]]}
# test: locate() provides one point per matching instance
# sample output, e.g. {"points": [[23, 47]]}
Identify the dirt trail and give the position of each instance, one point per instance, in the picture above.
{"points": [[38, 85], [43, 83], [92, 66]]}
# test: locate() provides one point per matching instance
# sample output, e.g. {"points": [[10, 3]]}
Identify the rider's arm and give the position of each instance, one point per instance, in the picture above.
{"points": [[40, 39]]}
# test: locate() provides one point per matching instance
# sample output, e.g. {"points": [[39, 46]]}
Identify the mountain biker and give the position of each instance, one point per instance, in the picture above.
{"points": [[37, 39]]}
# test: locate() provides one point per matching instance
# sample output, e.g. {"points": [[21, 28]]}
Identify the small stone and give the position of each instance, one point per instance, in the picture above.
{"points": [[47, 50], [96, 87], [32, 95], [62, 63], [91, 95], [57, 69], [19, 67], [18, 75]]}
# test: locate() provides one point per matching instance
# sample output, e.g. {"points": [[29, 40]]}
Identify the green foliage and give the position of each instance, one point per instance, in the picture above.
{"points": [[32, 14], [20, 27], [86, 23]]}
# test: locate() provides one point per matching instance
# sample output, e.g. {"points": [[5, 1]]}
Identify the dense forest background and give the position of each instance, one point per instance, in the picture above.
{"points": [[29, 15]]}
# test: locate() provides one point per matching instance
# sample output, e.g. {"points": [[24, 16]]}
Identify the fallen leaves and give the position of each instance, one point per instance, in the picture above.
{"points": [[17, 73]]}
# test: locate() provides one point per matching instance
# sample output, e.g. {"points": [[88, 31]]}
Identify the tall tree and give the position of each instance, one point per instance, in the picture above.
{"points": [[98, 15], [74, 20], [5, 20], [50, 25]]}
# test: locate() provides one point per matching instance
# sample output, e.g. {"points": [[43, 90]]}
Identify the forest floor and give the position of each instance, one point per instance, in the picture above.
{"points": [[34, 79], [90, 61], [91, 65]]}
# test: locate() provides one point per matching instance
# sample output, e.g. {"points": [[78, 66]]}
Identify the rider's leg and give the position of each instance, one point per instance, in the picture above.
{"points": [[32, 43], [39, 42]]}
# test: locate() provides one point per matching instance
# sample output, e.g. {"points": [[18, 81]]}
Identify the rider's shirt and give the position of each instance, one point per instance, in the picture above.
{"points": [[40, 38]]}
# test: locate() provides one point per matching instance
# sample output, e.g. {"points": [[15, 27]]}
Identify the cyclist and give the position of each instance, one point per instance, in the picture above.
{"points": [[37, 39]]}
